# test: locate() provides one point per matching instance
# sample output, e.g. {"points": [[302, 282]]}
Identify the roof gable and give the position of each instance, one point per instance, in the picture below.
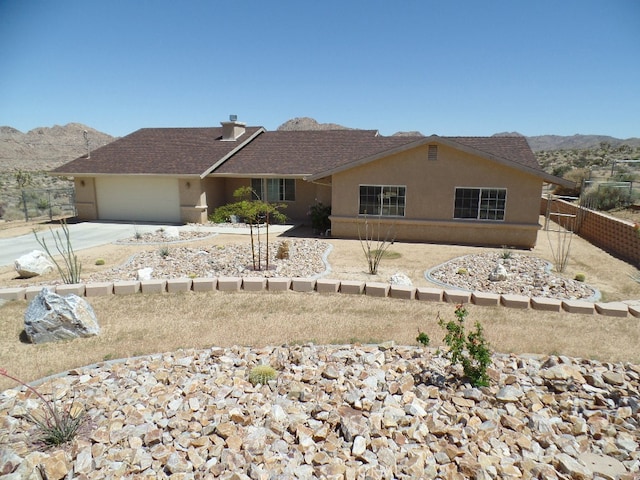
{"points": [[513, 152], [304, 153]]}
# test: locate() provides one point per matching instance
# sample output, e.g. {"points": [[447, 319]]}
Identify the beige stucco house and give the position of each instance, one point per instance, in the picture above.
{"points": [[470, 190]]}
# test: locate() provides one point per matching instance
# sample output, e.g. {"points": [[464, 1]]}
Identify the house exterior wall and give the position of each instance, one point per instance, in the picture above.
{"points": [[214, 189], [430, 191], [86, 205], [193, 200], [219, 191]]}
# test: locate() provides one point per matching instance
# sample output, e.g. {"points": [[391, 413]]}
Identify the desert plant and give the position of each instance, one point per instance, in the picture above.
{"points": [[23, 178], [608, 197], [319, 214], [164, 251], [56, 427], [373, 245], [42, 204], [283, 251], [469, 350], [462, 271], [423, 338], [262, 374], [72, 267], [506, 253], [580, 277], [100, 261]]}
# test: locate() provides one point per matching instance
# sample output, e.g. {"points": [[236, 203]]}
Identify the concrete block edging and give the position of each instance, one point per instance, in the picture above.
{"points": [[329, 286]]}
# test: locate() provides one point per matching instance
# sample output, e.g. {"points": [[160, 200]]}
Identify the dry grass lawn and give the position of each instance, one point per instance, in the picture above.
{"points": [[144, 324]]}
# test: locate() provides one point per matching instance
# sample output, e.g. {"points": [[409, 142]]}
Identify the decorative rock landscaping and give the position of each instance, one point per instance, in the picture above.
{"points": [[304, 259], [339, 412], [525, 275]]}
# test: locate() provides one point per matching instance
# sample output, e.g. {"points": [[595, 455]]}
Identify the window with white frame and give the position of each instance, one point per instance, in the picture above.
{"points": [[480, 203], [275, 189], [384, 200]]}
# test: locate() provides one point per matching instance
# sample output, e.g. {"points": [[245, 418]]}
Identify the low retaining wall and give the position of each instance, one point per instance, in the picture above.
{"points": [[327, 286], [613, 235]]}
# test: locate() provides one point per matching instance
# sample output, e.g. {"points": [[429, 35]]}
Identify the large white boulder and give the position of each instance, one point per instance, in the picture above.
{"points": [[498, 274], [51, 317], [401, 279], [33, 264], [145, 273]]}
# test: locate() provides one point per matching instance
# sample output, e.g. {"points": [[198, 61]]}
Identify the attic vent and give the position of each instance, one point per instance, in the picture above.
{"points": [[433, 152]]}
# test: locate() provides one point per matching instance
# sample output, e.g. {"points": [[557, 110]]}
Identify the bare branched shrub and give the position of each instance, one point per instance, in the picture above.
{"points": [[72, 267], [373, 245]]}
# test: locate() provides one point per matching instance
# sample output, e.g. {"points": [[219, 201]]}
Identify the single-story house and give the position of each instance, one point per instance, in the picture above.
{"points": [[469, 190]]}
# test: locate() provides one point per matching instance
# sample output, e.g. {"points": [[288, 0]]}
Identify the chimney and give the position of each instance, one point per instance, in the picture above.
{"points": [[232, 129]]}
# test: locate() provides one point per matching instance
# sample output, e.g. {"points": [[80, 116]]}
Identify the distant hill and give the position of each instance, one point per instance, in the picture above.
{"points": [[579, 142], [44, 148], [307, 123]]}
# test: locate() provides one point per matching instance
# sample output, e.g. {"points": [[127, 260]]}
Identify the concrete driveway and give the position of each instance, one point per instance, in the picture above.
{"points": [[93, 234]]}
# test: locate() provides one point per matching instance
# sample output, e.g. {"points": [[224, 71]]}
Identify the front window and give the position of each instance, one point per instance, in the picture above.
{"points": [[275, 189], [384, 200], [480, 203]]}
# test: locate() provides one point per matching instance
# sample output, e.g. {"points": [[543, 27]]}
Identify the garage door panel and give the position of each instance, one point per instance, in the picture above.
{"points": [[150, 199]]}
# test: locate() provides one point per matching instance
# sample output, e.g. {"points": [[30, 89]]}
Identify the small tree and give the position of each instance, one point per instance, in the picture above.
{"points": [[254, 211]]}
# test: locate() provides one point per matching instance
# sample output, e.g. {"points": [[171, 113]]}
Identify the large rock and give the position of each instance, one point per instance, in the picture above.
{"points": [[33, 264], [400, 279], [51, 317], [498, 274]]}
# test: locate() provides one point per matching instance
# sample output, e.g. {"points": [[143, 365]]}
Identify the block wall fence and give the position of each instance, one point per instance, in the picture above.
{"points": [[615, 236], [325, 286]]}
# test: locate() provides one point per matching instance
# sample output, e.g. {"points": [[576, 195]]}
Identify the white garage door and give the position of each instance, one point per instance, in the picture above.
{"points": [[150, 199]]}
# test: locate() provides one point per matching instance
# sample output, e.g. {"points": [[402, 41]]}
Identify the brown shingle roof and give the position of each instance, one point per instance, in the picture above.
{"points": [[515, 149], [158, 151], [194, 151], [306, 152]]}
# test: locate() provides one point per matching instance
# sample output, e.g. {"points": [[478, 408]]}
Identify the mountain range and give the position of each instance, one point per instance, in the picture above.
{"points": [[44, 148]]}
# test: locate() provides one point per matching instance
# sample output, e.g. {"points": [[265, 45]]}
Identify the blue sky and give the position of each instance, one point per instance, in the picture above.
{"points": [[444, 67]]}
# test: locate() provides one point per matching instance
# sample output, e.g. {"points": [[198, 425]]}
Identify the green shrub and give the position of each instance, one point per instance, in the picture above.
{"points": [[580, 277], [223, 214], [608, 197], [423, 338], [100, 261], [164, 251], [319, 214], [262, 374], [462, 271], [469, 350]]}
